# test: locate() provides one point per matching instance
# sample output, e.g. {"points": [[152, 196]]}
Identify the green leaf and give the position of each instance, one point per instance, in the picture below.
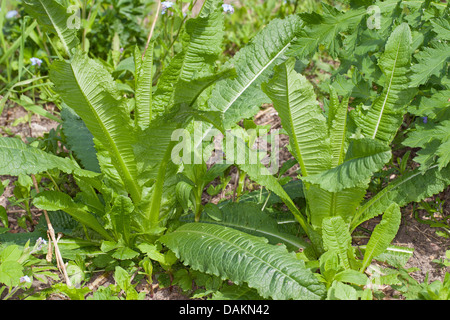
{"points": [[435, 106], [341, 291], [144, 89], [156, 173], [72, 293], [79, 139], [10, 253], [122, 278], [434, 139], [411, 187], [120, 216], [4, 216], [385, 116], [90, 91], [323, 203], [53, 17], [325, 30], [364, 158], [239, 257], [249, 218], [192, 69], [337, 124], [432, 60], [395, 256], [241, 97], [10, 273], [124, 253], [262, 176], [382, 234], [336, 237], [19, 158], [441, 27], [233, 292], [152, 252], [294, 99], [55, 200], [352, 276]]}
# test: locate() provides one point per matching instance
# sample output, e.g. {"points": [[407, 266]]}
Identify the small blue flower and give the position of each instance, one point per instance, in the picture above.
{"points": [[228, 8], [166, 5], [25, 279], [425, 119], [35, 61], [39, 243], [11, 14]]}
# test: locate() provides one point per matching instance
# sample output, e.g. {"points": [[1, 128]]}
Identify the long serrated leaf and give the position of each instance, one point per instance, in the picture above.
{"points": [[241, 97], [324, 30], [441, 26], [248, 217], [239, 257], [143, 90], [337, 123], [158, 171], [364, 158], [294, 99], [323, 203], [394, 255], [382, 234], [90, 91], [385, 115], [182, 81], [336, 237], [53, 17]]}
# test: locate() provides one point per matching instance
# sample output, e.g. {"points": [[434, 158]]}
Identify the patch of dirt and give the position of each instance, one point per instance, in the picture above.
{"points": [[16, 121], [427, 245]]}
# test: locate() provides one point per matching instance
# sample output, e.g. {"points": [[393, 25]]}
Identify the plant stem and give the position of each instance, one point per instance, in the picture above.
{"points": [[44, 43], [53, 181], [11, 293], [152, 29], [295, 6], [157, 73], [241, 185], [51, 231], [198, 203]]}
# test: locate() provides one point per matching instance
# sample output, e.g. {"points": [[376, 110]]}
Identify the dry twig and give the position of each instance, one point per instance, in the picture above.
{"points": [[52, 238]]}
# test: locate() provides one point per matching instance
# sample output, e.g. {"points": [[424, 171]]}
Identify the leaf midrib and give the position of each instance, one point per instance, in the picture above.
{"points": [[56, 29], [291, 124], [134, 190], [228, 106], [222, 240], [269, 233], [388, 91]]}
